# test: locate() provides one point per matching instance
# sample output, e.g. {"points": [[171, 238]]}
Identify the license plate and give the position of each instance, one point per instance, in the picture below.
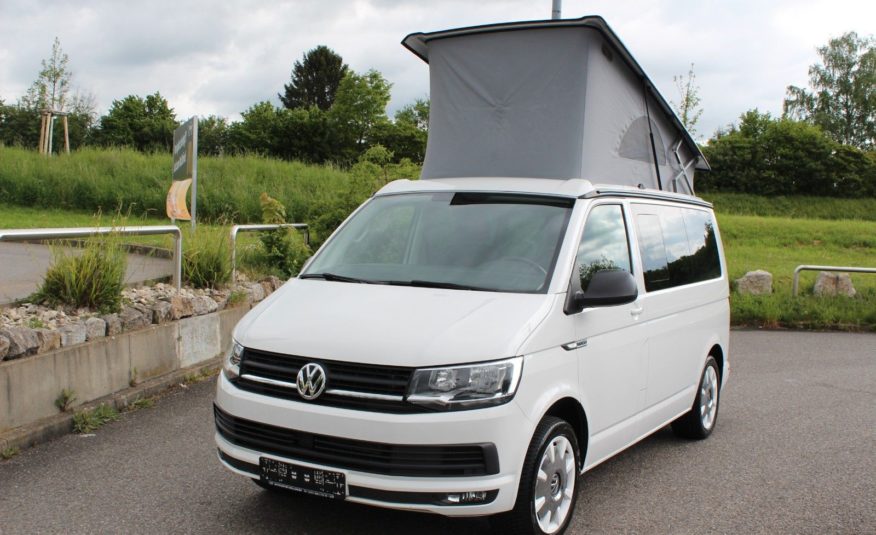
{"points": [[323, 483]]}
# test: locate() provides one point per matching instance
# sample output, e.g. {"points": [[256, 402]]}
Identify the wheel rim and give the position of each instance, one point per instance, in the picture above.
{"points": [[709, 398], [555, 485]]}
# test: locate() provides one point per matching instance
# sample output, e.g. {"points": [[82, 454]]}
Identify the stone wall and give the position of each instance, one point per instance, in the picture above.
{"points": [[31, 381]]}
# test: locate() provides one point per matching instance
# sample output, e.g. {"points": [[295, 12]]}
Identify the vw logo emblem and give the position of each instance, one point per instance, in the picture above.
{"points": [[311, 381]]}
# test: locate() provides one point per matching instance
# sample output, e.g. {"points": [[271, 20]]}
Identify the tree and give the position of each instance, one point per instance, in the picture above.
{"points": [[416, 115], [315, 80], [145, 124], [212, 135], [256, 132], [359, 107], [767, 156], [406, 136], [688, 106], [843, 97], [49, 90]]}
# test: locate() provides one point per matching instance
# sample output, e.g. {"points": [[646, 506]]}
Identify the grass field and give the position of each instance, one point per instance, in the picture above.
{"points": [[779, 245], [775, 234], [794, 207]]}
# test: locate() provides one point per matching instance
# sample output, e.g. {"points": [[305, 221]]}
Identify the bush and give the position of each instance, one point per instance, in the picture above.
{"points": [[90, 277], [206, 262], [284, 250]]}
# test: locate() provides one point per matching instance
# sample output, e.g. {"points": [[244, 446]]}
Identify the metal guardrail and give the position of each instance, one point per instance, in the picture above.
{"points": [[12, 235], [826, 268], [238, 228]]}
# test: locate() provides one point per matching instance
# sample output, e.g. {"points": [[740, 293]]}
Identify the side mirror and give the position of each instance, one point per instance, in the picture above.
{"points": [[607, 288]]}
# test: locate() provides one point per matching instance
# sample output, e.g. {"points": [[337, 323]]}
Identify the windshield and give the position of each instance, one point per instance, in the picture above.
{"points": [[467, 241]]}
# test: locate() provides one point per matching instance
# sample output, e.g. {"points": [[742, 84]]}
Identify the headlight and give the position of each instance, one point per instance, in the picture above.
{"points": [[231, 365], [466, 387]]}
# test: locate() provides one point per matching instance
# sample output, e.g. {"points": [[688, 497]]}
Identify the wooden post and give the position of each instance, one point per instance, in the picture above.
{"points": [[66, 136]]}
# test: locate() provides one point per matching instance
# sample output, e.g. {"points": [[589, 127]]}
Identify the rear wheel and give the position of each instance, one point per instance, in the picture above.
{"points": [[700, 421], [548, 483]]}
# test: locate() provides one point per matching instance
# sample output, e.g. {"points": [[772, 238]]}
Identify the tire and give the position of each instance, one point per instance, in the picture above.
{"points": [[700, 421], [557, 491]]}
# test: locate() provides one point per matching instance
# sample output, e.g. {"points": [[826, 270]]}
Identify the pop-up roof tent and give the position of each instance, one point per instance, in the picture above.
{"points": [[549, 99]]}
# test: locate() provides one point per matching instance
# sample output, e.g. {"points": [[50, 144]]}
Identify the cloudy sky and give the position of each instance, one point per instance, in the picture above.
{"points": [[221, 56]]}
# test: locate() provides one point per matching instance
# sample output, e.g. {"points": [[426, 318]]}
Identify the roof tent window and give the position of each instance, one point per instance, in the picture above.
{"points": [[636, 143]]}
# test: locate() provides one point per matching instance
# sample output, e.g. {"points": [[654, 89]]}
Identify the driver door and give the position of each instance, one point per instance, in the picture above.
{"points": [[612, 357]]}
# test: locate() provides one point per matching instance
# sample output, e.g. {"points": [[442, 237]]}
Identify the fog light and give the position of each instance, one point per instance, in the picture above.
{"points": [[466, 497]]}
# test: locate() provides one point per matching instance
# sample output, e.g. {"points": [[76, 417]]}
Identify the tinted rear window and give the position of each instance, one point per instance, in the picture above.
{"points": [[678, 245]]}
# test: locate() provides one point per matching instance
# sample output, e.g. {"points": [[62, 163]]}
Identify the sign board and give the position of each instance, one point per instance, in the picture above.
{"points": [[184, 171], [183, 145]]}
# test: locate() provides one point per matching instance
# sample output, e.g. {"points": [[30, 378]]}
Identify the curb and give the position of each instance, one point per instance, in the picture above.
{"points": [[61, 424]]}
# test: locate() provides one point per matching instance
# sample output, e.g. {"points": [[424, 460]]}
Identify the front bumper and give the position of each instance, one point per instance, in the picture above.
{"points": [[505, 426]]}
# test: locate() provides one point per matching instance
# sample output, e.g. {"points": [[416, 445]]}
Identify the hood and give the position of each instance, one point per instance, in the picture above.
{"points": [[391, 325]]}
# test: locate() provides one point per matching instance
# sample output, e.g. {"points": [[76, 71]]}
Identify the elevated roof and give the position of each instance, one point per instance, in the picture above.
{"points": [[552, 99]]}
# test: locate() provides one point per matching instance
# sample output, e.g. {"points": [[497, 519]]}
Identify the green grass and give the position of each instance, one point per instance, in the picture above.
{"points": [[88, 421], [793, 207], [775, 233], [779, 245], [228, 187], [10, 452]]}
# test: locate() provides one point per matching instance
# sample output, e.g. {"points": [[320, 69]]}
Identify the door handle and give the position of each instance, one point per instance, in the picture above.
{"points": [[636, 311]]}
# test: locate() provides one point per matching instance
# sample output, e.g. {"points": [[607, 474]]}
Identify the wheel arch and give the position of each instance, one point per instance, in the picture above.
{"points": [[717, 352], [570, 410]]}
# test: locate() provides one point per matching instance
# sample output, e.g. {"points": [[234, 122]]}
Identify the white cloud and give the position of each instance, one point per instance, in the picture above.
{"points": [[210, 57]]}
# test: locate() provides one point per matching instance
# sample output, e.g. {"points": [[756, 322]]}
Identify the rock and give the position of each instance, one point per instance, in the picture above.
{"points": [[49, 339], [95, 328], [4, 347], [275, 283], [22, 341], [755, 283], [113, 324], [72, 333], [256, 291], [162, 312], [143, 309], [267, 286], [830, 284], [132, 319], [221, 298], [181, 306], [203, 305]]}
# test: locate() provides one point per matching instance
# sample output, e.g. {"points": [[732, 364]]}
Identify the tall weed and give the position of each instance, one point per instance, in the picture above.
{"points": [[91, 277], [206, 262]]}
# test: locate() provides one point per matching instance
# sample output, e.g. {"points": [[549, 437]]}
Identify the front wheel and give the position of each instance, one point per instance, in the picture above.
{"points": [[700, 421], [548, 483]]}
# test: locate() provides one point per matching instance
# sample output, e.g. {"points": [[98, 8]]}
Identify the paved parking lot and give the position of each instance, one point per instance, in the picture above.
{"points": [[794, 452]]}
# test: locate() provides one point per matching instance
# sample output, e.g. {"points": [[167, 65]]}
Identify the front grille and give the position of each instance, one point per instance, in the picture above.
{"points": [[374, 457], [362, 378]]}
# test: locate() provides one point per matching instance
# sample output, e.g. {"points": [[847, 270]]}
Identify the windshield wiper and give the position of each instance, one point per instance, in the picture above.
{"points": [[438, 284], [336, 278]]}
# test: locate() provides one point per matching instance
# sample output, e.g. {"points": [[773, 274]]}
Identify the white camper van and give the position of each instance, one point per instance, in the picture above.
{"points": [[547, 294]]}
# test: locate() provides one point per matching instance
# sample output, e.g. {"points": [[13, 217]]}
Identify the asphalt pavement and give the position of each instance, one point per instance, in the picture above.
{"points": [[794, 451], [23, 265]]}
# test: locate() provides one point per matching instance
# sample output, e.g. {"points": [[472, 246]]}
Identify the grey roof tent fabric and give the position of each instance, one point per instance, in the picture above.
{"points": [[549, 99]]}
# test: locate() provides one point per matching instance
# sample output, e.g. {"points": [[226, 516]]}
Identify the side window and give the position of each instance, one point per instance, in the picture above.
{"points": [[705, 262], [678, 246], [654, 264], [604, 244]]}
